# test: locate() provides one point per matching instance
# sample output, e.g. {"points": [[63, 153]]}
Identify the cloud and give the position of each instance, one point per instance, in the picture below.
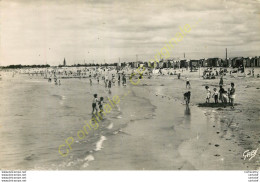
{"points": [[102, 29]]}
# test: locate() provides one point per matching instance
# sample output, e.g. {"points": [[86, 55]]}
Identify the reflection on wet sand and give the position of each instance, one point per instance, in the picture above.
{"points": [[187, 115]]}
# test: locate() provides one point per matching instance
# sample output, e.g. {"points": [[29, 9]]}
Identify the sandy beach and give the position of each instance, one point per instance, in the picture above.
{"points": [[150, 129]]}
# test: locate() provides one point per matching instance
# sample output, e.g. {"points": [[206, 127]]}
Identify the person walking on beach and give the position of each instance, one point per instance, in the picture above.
{"points": [[118, 79], [100, 103], [124, 80], [208, 94], [232, 94], [187, 82], [94, 103], [215, 95], [187, 97]]}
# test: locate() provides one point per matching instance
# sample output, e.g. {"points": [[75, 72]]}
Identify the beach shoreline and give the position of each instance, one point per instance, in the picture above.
{"points": [[150, 129]]}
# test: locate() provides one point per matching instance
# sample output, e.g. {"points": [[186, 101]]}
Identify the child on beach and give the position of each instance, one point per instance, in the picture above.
{"points": [[187, 82], [179, 75], [232, 94], [100, 103], [187, 97], [94, 104], [208, 94], [215, 95], [228, 93]]}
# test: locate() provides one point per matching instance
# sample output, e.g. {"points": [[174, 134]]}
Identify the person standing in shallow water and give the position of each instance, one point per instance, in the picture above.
{"points": [[94, 104], [187, 82], [187, 97], [215, 95], [232, 94]]}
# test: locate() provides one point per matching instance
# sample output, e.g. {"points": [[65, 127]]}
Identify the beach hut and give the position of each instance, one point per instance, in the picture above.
{"points": [[237, 62], [183, 63], [194, 65], [258, 61]]}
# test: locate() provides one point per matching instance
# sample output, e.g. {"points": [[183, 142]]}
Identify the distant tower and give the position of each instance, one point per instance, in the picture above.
{"points": [[226, 53], [64, 62]]}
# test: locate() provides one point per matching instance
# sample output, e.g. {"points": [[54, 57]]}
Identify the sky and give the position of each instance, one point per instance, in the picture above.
{"points": [[103, 31]]}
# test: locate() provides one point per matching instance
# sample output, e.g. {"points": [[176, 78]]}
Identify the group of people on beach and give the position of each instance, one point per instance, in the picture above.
{"points": [[110, 79], [225, 96], [222, 95], [56, 81]]}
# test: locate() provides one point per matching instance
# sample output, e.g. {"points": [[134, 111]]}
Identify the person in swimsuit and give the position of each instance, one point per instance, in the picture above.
{"points": [[232, 94], [187, 82], [215, 95], [187, 97], [94, 104], [100, 103], [208, 94]]}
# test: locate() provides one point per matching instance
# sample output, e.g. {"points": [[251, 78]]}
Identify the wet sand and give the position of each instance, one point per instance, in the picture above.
{"points": [[187, 138]]}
